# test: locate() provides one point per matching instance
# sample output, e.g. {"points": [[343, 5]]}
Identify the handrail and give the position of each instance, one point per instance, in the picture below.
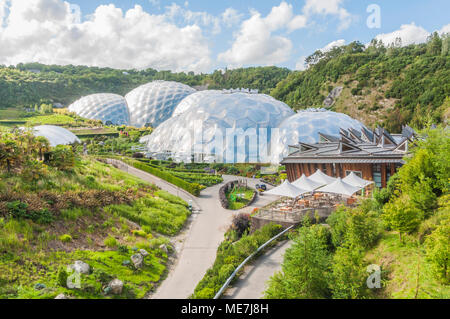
{"points": [[227, 283]]}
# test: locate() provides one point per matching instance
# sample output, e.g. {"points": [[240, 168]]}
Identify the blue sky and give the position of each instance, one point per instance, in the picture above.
{"points": [[200, 35]]}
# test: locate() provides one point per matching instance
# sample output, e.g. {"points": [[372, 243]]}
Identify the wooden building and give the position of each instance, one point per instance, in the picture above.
{"points": [[373, 155]]}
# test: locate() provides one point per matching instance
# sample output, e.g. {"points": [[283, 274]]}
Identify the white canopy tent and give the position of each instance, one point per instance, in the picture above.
{"points": [[340, 187], [357, 181], [287, 190], [306, 183], [321, 178]]}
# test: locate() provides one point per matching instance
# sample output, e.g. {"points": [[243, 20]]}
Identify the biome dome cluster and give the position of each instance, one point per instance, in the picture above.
{"points": [[230, 126], [147, 105]]}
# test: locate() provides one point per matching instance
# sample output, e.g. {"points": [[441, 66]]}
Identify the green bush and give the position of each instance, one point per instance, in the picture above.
{"points": [[65, 238], [62, 277], [194, 189], [62, 157], [110, 242]]}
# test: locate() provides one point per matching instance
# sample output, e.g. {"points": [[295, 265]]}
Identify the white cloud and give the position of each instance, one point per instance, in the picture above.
{"points": [[333, 44], [255, 42], [200, 18], [301, 65], [409, 33], [445, 29], [329, 7], [47, 31], [155, 3], [231, 17]]}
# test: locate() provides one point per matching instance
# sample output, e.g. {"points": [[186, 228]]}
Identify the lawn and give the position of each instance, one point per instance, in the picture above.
{"points": [[239, 198]]}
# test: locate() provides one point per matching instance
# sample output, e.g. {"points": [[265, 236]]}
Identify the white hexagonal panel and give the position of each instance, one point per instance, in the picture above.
{"points": [[235, 119], [306, 125], [154, 102], [105, 107]]}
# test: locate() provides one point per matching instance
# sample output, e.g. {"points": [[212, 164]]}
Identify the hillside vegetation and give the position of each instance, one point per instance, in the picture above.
{"points": [[386, 85], [57, 207], [34, 83]]}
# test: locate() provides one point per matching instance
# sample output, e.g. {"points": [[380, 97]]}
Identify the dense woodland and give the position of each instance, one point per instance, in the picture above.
{"points": [[395, 85]]}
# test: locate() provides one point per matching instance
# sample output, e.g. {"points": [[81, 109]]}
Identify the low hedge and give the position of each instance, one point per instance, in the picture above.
{"points": [[192, 188], [229, 256]]}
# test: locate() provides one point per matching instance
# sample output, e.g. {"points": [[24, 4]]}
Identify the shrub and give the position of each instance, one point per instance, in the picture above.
{"points": [[438, 251], [139, 233], [62, 157], [62, 277], [206, 293], [65, 238], [241, 224], [110, 242], [17, 209]]}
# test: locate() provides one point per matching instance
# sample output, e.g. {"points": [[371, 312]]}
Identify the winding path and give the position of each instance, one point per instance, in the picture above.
{"points": [[198, 251], [253, 282]]}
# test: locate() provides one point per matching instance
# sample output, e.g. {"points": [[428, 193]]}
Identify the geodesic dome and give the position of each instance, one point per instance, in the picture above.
{"points": [[306, 125], [193, 100], [154, 102], [234, 127], [56, 135], [105, 107]]}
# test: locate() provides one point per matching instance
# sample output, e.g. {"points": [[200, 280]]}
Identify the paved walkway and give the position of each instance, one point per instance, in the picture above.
{"points": [[198, 251], [253, 282]]}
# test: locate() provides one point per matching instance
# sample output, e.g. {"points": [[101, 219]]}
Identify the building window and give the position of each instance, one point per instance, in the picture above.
{"points": [[358, 173], [376, 172]]}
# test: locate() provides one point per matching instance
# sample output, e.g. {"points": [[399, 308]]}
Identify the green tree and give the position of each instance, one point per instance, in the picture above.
{"points": [[438, 251], [401, 216], [348, 273], [305, 268]]}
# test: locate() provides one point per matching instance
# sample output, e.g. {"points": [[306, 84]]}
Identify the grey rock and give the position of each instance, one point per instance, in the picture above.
{"points": [[61, 296], [163, 247], [116, 286], [137, 260], [334, 94], [143, 252], [81, 267]]}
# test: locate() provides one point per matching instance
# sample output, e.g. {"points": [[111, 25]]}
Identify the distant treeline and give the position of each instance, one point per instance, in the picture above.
{"points": [[34, 83]]}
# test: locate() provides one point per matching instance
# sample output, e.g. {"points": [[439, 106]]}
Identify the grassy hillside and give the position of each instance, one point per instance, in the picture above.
{"points": [[391, 86], [70, 208]]}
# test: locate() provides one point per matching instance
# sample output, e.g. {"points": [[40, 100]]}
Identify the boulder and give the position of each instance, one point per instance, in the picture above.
{"points": [[116, 286], [143, 252], [163, 247], [81, 267], [137, 260], [61, 296]]}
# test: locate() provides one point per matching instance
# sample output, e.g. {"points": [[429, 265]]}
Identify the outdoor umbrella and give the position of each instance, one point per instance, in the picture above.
{"points": [[287, 190], [321, 178], [339, 187], [305, 183], [355, 180]]}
